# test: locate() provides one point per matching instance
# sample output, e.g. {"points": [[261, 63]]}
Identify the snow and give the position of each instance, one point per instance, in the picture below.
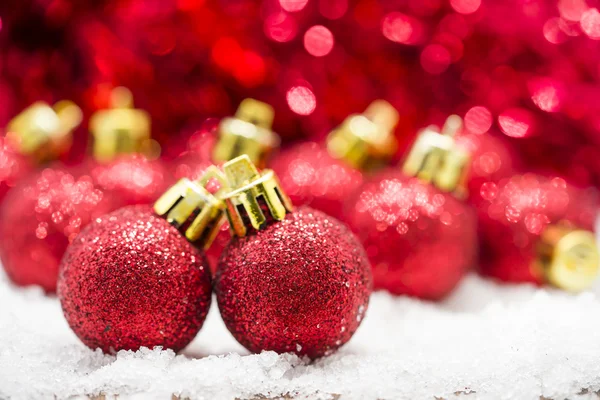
{"points": [[486, 341]]}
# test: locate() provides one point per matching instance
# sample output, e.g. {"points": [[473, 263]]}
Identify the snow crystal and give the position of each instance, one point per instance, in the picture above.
{"points": [[486, 341]]}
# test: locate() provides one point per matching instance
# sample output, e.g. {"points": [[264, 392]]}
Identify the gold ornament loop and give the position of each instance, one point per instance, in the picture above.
{"points": [[192, 209], [43, 132], [248, 132], [366, 141], [435, 158], [567, 257], [252, 194], [122, 129]]}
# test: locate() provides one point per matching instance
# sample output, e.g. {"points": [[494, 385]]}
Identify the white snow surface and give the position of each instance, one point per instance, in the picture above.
{"points": [[487, 341]]}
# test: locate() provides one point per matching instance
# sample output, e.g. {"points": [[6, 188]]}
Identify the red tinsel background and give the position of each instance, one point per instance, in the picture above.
{"points": [[525, 70]]}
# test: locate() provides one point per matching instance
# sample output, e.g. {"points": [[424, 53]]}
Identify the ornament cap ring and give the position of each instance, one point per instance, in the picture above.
{"points": [[569, 257]]}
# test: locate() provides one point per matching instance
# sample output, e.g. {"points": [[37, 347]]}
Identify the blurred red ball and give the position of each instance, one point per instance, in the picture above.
{"points": [[13, 167], [131, 280], [40, 216], [420, 241], [515, 212], [309, 175], [134, 179], [301, 285]]}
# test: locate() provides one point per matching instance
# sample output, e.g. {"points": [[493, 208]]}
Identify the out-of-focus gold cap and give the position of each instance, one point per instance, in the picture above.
{"points": [[568, 258], [252, 194], [366, 141], [436, 159], [121, 129], [192, 209], [43, 132], [248, 132]]}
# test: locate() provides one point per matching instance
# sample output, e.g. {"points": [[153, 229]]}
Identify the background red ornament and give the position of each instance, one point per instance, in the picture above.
{"points": [[514, 214], [131, 280], [41, 216], [419, 240]]}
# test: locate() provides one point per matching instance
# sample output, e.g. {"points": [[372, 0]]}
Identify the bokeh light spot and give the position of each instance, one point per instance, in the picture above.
{"points": [[293, 5], [546, 94], [280, 27], [489, 191], [465, 6], [516, 122], [478, 120], [552, 31], [226, 52], [301, 100], [590, 23], [487, 164], [435, 59], [318, 41], [333, 9], [251, 69], [401, 28]]}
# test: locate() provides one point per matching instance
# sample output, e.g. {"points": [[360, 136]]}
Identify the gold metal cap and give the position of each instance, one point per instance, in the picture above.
{"points": [[435, 158], [367, 140], [248, 132], [568, 258], [191, 208], [121, 129], [252, 194], [43, 132]]}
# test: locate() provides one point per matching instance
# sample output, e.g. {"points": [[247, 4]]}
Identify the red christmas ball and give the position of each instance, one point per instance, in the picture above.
{"points": [[134, 179], [310, 175], [300, 285], [515, 213], [40, 216], [420, 241], [131, 280], [13, 167]]}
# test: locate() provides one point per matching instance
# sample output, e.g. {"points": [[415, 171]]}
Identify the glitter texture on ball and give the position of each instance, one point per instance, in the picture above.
{"points": [[131, 280], [301, 285], [420, 241]]}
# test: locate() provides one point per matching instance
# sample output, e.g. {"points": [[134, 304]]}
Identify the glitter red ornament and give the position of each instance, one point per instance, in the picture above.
{"points": [[540, 230], [133, 278], [46, 208], [421, 239], [324, 177], [38, 219], [289, 281]]}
